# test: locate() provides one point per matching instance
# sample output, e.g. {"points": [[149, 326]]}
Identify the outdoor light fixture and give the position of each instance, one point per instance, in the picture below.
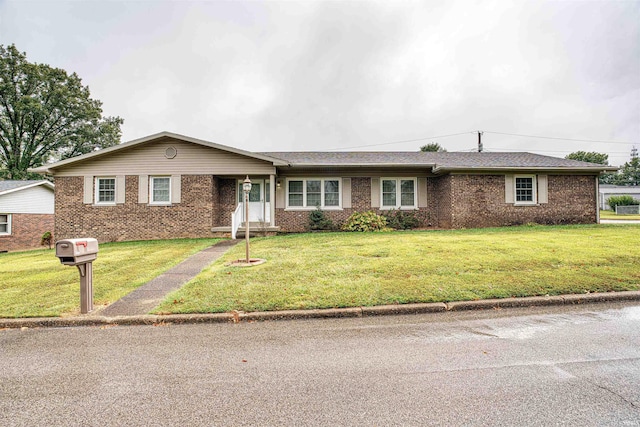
{"points": [[246, 187], [278, 183]]}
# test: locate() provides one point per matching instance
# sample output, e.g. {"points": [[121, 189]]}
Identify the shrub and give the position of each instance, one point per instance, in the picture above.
{"points": [[318, 220], [403, 220], [365, 221], [47, 239], [624, 200]]}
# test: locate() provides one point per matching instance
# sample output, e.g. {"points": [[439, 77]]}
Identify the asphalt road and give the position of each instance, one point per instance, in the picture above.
{"points": [[544, 366]]}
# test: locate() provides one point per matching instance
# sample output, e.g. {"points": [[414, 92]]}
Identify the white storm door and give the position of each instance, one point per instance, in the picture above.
{"points": [[259, 206]]}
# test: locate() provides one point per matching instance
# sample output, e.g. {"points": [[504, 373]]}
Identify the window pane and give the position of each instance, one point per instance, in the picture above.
{"points": [[3, 228], [389, 185], [407, 197], [388, 199], [331, 193], [106, 190], [314, 187], [331, 199], [524, 189], [4, 219], [295, 187], [295, 199], [161, 189], [314, 193], [314, 199], [267, 192], [254, 194], [389, 192], [295, 193]]}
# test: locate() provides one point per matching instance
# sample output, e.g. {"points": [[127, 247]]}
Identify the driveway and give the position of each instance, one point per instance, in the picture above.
{"points": [[577, 365]]}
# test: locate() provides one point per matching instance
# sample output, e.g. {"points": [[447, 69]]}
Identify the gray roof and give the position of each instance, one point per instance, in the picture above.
{"points": [[6, 186], [438, 161]]}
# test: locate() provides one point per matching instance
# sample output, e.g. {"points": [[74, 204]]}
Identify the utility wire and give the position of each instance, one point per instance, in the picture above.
{"points": [[561, 139], [398, 142]]}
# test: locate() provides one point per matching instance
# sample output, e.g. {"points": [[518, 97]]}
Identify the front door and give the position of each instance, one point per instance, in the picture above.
{"points": [[259, 209]]}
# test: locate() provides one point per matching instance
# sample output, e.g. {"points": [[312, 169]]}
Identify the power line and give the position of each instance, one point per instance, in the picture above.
{"points": [[561, 139], [398, 142]]}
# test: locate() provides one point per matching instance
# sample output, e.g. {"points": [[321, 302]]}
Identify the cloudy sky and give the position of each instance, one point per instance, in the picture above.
{"points": [[362, 75]]}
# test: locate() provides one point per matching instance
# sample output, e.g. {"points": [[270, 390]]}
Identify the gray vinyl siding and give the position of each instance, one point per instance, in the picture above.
{"points": [[149, 159]]}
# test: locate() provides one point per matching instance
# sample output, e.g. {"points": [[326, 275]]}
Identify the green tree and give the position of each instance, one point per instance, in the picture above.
{"points": [[433, 147], [629, 173], [46, 115], [591, 157]]}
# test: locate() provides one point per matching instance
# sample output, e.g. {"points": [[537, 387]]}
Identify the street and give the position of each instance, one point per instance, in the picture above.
{"points": [[570, 365]]}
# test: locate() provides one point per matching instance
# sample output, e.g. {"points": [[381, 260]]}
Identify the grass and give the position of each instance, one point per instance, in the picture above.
{"points": [[306, 271], [613, 215], [34, 283]]}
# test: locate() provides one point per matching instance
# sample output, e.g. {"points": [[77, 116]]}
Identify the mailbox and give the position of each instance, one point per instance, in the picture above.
{"points": [[77, 251]]}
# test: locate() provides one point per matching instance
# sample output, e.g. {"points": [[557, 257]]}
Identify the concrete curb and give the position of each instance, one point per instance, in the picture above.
{"points": [[381, 310]]}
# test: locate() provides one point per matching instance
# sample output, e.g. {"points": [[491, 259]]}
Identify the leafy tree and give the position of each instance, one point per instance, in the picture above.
{"points": [[433, 147], [46, 114], [599, 158], [629, 173], [591, 157]]}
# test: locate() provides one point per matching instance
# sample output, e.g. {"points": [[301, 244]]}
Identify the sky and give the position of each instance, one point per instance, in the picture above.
{"points": [[549, 77]]}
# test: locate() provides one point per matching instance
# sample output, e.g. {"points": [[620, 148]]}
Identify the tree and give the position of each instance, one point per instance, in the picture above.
{"points": [[46, 115], [629, 173], [594, 157], [591, 157], [433, 147]]}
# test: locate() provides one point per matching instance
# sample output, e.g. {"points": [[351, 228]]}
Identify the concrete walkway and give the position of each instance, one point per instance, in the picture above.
{"points": [[146, 297]]}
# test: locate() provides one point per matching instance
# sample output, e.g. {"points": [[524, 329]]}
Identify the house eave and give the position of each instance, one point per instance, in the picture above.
{"points": [[50, 168], [48, 184], [550, 169]]}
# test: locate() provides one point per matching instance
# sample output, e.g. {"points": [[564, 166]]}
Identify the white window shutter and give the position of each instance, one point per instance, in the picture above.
{"points": [[87, 197], [543, 189], [509, 195], [176, 188], [346, 193], [375, 192], [143, 189], [120, 189]]}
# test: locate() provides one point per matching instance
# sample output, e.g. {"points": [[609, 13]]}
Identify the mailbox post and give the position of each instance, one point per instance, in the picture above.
{"points": [[81, 253]]}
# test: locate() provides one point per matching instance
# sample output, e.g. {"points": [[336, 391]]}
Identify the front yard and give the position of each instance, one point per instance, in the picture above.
{"points": [[323, 270], [306, 271], [34, 283]]}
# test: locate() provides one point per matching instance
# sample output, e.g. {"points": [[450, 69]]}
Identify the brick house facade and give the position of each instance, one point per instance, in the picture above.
{"points": [[170, 186], [26, 213]]}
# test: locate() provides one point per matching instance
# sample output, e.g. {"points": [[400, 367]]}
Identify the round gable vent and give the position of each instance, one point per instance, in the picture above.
{"points": [[170, 152]]}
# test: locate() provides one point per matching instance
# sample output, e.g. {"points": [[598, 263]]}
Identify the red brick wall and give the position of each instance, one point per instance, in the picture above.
{"points": [[479, 201], [193, 217], [26, 231], [298, 221]]}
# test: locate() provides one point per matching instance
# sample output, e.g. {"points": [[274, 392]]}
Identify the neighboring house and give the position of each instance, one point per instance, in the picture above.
{"points": [[168, 186], [607, 191], [26, 213]]}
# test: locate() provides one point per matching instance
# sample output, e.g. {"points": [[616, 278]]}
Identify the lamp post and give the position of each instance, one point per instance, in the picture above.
{"points": [[246, 188]]}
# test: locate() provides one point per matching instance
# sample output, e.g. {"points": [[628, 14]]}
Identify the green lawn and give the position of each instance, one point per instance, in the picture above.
{"points": [[613, 215], [322, 270], [34, 283]]}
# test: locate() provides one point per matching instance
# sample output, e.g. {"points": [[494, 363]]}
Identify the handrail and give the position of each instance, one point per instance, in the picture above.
{"points": [[236, 220]]}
